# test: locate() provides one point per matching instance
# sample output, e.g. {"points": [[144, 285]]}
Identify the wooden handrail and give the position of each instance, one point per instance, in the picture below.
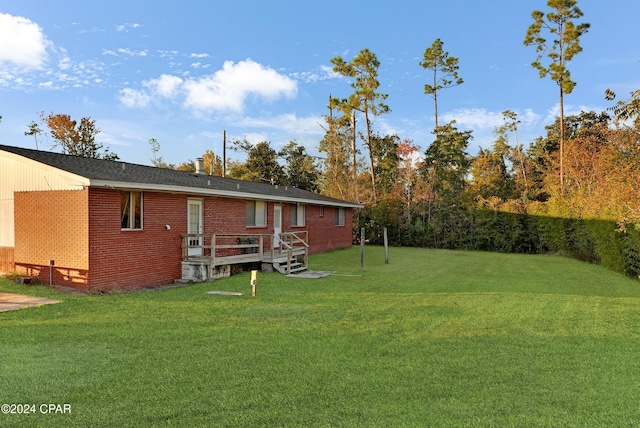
{"points": [[303, 241]]}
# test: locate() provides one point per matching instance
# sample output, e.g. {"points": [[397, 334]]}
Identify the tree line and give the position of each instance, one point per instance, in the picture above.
{"points": [[586, 168]]}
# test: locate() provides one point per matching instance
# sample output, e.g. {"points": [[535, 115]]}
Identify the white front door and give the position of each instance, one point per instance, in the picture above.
{"points": [[194, 222], [277, 224]]}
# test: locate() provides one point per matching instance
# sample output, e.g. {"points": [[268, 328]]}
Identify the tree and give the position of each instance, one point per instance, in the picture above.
{"points": [[385, 154], [77, 139], [300, 169], [624, 110], [445, 167], [337, 181], [560, 50], [34, 129], [187, 166], [489, 172], [523, 168], [261, 165], [212, 163], [157, 161], [445, 72], [363, 69], [407, 176], [448, 157]]}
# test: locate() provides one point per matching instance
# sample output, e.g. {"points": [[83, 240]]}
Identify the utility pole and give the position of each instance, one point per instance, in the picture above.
{"points": [[224, 153]]}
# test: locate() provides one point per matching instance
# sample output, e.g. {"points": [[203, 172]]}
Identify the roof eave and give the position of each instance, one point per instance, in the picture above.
{"points": [[217, 192]]}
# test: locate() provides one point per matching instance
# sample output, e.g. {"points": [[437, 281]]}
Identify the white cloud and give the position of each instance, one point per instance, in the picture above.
{"points": [[570, 110], [127, 26], [288, 122], [325, 73], [166, 85], [22, 42], [130, 52], [473, 118], [228, 88], [528, 117], [480, 118], [133, 98], [125, 51], [225, 90]]}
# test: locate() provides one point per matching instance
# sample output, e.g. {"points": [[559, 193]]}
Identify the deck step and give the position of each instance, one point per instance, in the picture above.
{"points": [[293, 267]]}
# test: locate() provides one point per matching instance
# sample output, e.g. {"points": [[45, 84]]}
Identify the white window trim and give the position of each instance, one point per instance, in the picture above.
{"points": [[340, 216], [301, 213], [131, 213], [256, 203]]}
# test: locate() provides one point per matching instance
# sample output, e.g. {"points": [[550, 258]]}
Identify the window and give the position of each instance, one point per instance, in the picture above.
{"points": [[321, 210], [256, 213], [339, 216], [297, 215], [131, 210]]}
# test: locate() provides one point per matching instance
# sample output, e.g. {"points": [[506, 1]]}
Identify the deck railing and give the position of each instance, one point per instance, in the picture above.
{"points": [[219, 249], [295, 243], [197, 246]]}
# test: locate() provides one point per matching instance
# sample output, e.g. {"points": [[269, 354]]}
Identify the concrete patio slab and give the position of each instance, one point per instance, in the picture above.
{"points": [[312, 274], [225, 293], [11, 302]]}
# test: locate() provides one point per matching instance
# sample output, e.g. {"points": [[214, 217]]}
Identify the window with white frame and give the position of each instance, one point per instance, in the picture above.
{"points": [[256, 213], [297, 215], [131, 210], [339, 216]]}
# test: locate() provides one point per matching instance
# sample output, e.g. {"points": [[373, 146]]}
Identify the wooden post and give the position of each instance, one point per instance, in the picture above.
{"points": [[213, 250], [361, 248], [386, 247], [254, 281]]}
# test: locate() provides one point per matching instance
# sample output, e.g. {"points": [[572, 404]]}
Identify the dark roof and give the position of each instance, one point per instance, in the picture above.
{"points": [[100, 170]]}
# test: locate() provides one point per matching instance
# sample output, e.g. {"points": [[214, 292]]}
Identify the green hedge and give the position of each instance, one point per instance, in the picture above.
{"points": [[594, 241]]}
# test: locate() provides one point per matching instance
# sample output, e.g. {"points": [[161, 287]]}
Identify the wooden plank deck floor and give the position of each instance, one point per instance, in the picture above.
{"points": [[246, 258]]}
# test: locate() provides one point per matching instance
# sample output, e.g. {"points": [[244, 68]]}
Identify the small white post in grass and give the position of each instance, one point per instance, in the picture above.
{"points": [[386, 247], [254, 281], [361, 248]]}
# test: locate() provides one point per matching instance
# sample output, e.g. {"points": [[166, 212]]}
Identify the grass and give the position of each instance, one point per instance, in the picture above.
{"points": [[434, 338]]}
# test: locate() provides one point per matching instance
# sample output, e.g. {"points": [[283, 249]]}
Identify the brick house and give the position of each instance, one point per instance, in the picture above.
{"points": [[94, 224]]}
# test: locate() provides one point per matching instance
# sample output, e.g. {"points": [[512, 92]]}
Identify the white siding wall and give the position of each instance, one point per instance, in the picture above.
{"points": [[18, 174]]}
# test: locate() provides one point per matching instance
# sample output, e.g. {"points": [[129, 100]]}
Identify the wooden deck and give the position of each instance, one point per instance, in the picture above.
{"points": [[266, 257], [217, 250]]}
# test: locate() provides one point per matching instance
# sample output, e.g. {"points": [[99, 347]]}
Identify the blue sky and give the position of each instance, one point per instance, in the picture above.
{"points": [[183, 72]]}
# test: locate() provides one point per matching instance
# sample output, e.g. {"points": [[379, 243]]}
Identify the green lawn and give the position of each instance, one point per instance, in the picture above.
{"points": [[434, 338]]}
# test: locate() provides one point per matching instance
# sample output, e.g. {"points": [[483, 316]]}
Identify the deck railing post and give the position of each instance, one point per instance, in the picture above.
{"points": [[213, 250]]}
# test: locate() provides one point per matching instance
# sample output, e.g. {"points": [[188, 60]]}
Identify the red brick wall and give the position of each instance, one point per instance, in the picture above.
{"points": [[229, 216], [81, 232], [324, 235], [52, 225], [121, 259]]}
